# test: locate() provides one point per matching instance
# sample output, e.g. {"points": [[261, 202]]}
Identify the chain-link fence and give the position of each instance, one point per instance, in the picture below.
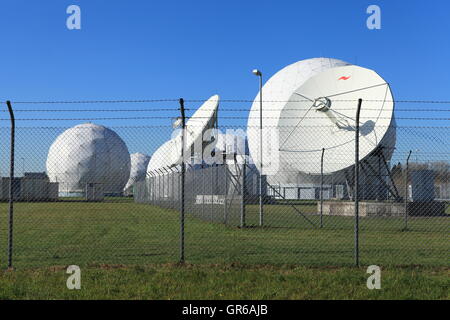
{"points": [[70, 206]]}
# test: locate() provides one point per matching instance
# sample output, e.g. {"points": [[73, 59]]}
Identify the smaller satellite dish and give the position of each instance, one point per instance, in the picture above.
{"points": [[164, 157], [168, 155], [204, 118]]}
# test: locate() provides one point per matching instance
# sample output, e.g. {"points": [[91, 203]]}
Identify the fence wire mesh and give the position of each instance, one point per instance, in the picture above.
{"points": [[70, 206]]}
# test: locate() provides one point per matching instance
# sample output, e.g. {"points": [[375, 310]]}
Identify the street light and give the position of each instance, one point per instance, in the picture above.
{"points": [[258, 73]]}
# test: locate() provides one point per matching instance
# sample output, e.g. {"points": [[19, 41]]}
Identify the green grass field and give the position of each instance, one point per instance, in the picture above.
{"points": [[172, 281], [130, 251], [123, 232]]}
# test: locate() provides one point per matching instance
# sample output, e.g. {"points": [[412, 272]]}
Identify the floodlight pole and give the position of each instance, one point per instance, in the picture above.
{"points": [[11, 185], [356, 187], [261, 205], [183, 172], [406, 190]]}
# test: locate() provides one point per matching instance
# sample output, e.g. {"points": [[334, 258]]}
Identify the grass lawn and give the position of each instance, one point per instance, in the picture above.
{"points": [[172, 281], [123, 232]]}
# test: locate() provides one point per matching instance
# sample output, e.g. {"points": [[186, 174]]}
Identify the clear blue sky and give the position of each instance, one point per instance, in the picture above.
{"points": [[193, 49], [145, 49]]}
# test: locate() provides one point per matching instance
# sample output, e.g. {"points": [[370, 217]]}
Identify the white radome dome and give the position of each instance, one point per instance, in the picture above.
{"points": [[88, 153], [139, 163]]}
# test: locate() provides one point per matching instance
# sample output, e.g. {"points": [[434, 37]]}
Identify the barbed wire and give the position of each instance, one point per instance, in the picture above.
{"points": [[95, 110], [220, 100], [199, 118], [334, 100], [220, 110], [88, 119], [94, 101], [231, 127]]}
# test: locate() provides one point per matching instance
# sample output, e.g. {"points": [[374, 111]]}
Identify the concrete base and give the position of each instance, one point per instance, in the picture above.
{"points": [[382, 209], [366, 209]]}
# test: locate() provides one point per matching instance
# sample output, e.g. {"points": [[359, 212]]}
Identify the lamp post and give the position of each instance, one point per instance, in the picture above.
{"points": [[258, 73]]}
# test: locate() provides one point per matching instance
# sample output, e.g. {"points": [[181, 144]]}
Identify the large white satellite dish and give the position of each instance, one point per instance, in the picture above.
{"points": [[317, 110], [203, 119], [321, 114], [276, 92]]}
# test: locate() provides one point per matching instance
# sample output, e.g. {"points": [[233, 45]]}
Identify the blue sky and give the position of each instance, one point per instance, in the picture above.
{"points": [[146, 49], [193, 49]]}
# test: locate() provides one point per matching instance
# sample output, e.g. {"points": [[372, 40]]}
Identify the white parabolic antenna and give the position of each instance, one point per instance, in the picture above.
{"points": [[319, 113], [168, 155], [202, 120]]}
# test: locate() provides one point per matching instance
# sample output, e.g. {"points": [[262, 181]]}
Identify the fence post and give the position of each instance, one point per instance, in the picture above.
{"points": [[159, 188], [203, 188], [321, 188], [187, 194], [11, 185], [243, 193], [225, 196], [356, 187], [183, 171], [172, 179], [406, 191], [178, 190], [217, 192], [152, 188], [164, 187], [212, 191]]}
